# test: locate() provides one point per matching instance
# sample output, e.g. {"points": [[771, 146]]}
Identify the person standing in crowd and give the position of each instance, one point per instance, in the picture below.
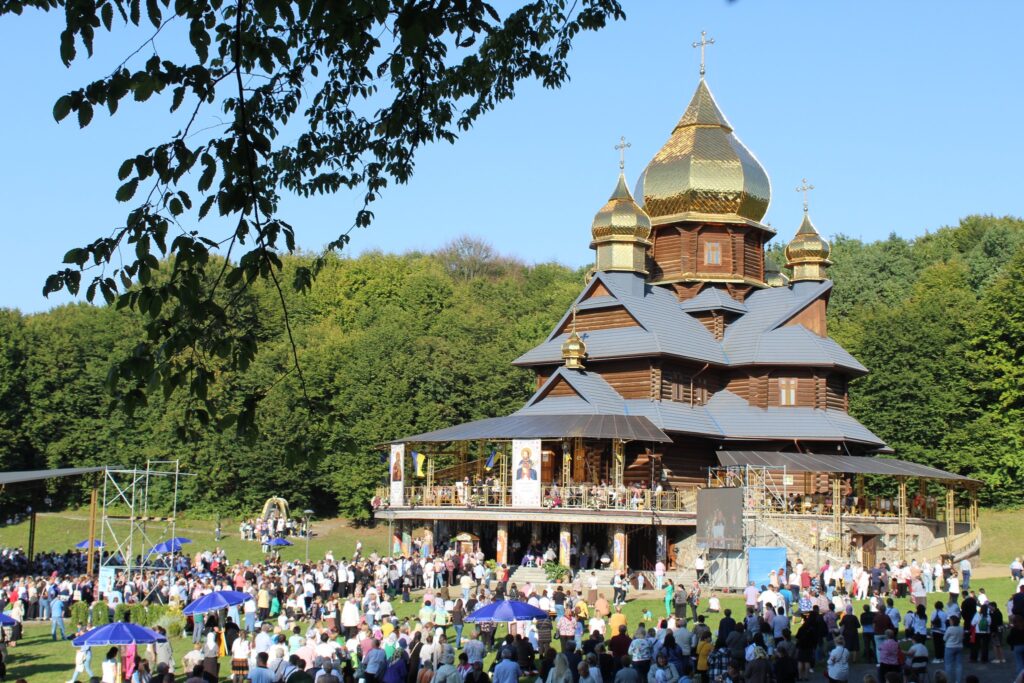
{"points": [[57, 617], [954, 650]]}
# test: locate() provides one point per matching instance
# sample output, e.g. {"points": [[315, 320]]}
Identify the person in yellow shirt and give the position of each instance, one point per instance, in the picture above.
{"points": [[582, 610], [704, 649], [616, 620], [387, 628]]}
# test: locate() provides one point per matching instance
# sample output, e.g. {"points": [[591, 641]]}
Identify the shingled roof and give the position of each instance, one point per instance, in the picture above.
{"points": [[758, 336], [726, 415]]}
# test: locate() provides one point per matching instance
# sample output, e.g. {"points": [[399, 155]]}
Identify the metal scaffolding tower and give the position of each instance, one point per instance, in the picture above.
{"points": [[126, 533]]}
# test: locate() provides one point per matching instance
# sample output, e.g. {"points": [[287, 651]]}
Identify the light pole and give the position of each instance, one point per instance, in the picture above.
{"points": [[308, 514]]}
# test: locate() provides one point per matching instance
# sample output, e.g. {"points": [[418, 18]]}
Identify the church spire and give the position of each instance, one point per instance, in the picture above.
{"points": [[621, 230], [807, 254]]}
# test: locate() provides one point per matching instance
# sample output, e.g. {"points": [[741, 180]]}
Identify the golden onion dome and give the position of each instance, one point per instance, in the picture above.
{"points": [[574, 351], [807, 254], [703, 170], [620, 217]]}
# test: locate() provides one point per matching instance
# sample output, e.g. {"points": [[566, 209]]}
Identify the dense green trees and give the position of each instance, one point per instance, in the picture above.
{"points": [[392, 345]]}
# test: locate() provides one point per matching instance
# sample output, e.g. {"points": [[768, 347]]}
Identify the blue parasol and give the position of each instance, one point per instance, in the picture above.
{"points": [[118, 633], [215, 601], [508, 610], [171, 545], [280, 542], [7, 620], [82, 545]]}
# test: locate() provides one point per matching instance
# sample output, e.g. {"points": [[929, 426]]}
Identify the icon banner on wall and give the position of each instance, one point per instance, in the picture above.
{"points": [[397, 474], [526, 473]]}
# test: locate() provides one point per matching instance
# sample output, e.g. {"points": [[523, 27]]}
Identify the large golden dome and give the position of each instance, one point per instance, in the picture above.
{"points": [[703, 170]]}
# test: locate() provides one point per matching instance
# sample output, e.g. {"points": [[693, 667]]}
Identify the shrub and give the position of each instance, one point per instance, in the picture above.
{"points": [[555, 572], [100, 613], [171, 619], [79, 613], [140, 614], [121, 611]]}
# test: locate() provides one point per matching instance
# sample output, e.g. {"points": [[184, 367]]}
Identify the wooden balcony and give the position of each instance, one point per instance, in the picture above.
{"points": [[495, 496]]}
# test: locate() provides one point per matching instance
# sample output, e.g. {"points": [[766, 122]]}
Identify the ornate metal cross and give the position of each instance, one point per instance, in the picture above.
{"points": [[622, 147], [805, 188], [703, 43]]}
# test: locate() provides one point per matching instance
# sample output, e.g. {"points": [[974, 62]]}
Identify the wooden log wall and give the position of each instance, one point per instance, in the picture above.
{"points": [[600, 319]]}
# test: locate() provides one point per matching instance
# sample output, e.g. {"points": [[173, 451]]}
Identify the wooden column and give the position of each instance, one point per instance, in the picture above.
{"points": [[566, 465], [902, 510], [837, 514], [974, 508], [950, 511], [564, 543], [501, 546], [93, 505], [618, 462]]}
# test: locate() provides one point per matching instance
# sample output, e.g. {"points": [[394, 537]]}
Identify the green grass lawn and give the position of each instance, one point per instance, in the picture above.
{"points": [[60, 531], [1001, 539]]}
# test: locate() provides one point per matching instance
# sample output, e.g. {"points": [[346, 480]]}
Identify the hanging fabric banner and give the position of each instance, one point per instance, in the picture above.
{"points": [[526, 473], [397, 468]]}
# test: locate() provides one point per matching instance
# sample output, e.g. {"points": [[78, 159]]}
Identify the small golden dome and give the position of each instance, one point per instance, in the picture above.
{"points": [[704, 169], [574, 351], [620, 217], [807, 254], [621, 232]]}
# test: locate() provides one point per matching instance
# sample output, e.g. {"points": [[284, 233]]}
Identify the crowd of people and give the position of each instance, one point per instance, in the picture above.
{"points": [[338, 621]]}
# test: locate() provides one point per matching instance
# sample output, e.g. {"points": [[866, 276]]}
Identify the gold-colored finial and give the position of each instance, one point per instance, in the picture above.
{"points": [[574, 350], [622, 147], [703, 43], [805, 188]]}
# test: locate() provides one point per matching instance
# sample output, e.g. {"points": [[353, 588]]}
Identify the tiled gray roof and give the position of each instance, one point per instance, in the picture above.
{"points": [[663, 328], [756, 337], [712, 299], [726, 416], [739, 420], [589, 385]]}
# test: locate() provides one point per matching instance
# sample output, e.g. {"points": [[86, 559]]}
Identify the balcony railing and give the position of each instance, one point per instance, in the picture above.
{"points": [[605, 497], [554, 498]]}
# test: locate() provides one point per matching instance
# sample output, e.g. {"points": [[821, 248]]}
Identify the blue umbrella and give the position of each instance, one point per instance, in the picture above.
{"points": [[171, 545], [82, 545], [280, 542], [508, 610], [215, 601], [7, 620], [118, 633]]}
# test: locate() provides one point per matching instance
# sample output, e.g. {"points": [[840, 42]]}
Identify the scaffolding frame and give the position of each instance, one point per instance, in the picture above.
{"points": [[128, 490]]}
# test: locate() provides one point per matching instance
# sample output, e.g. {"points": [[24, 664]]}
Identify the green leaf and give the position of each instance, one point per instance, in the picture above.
{"points": [[127, 191], [62, 108], [84, 114], [107, 15]]}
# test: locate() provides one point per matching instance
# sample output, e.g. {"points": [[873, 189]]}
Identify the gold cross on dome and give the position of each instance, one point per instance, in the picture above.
{"points": [[703, 43], [622, 147], [805, 188]]}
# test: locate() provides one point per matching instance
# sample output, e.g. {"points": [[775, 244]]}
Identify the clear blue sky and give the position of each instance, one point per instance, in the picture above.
{"points": [[906, 116]]}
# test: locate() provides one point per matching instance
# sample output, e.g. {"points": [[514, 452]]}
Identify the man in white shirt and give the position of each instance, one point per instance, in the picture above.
{"points": [[965, 574]]}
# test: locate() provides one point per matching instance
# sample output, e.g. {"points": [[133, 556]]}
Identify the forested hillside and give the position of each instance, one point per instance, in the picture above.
{"points": [[396, 344]]}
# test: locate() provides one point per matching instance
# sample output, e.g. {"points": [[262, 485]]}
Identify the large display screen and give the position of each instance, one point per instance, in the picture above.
{"points": [[720, 518]]}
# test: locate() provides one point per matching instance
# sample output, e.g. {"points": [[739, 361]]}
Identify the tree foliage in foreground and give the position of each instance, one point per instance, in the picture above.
{"points": [[361, 85], [390, 346]]}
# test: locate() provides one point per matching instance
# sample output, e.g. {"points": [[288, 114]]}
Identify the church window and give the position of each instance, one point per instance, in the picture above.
{"points": [[787, 391], [712, 253]]}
